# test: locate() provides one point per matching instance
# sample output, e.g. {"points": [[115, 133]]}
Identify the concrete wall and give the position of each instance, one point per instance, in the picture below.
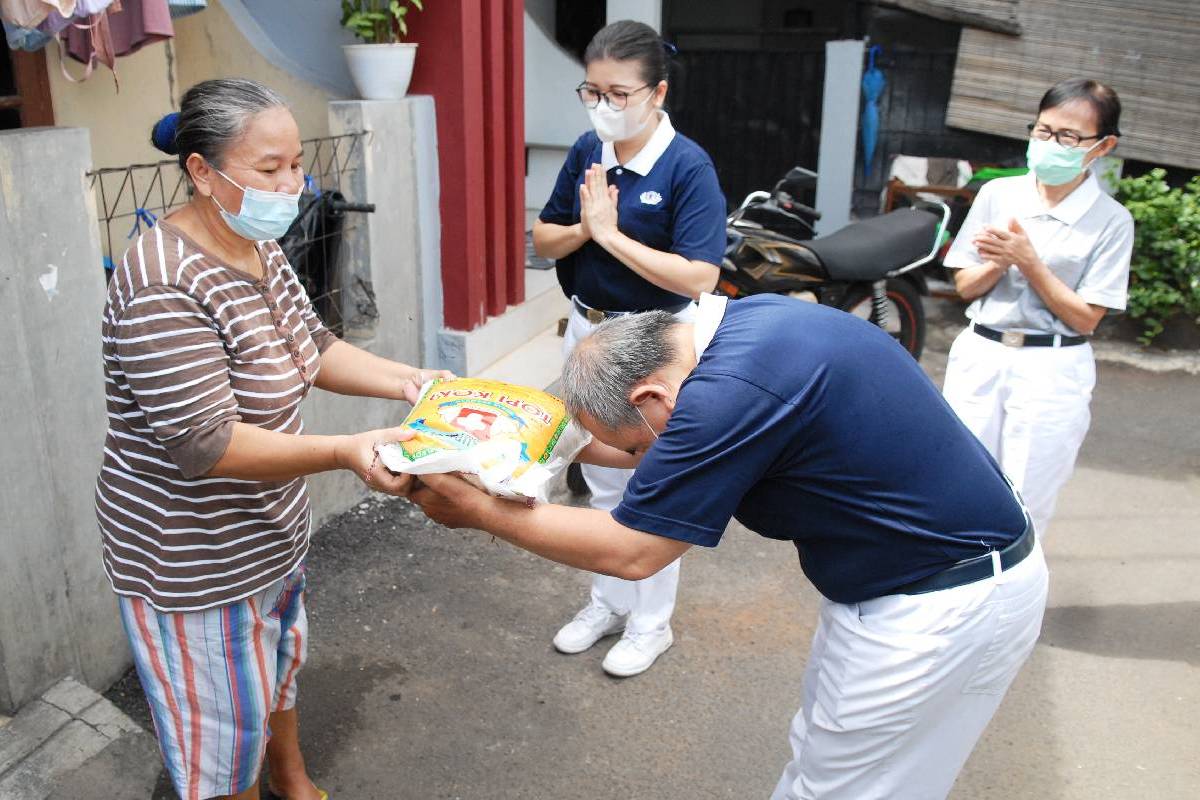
{"points": [[206, 45], [554, 117], [647, 11], [211, 45], [839, 133], [301, 37], [119, 121], [398, 250], [58, 615]]}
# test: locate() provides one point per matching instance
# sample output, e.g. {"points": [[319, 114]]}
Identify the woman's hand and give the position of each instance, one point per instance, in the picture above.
{"points": [[598, 206], [449, 500], [1006, 246], [360, 454], [419, 377]]}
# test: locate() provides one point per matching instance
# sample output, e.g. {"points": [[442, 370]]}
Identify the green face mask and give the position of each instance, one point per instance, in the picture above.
{"points": [[1054, 164]]}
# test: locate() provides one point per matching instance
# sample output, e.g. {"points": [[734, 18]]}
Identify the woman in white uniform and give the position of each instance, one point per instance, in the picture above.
{"points": [[636, 222], [1044, 257]]}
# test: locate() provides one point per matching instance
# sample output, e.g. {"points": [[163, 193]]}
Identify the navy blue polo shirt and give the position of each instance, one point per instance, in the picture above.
{"points": [[811, 425], [669, 200]]}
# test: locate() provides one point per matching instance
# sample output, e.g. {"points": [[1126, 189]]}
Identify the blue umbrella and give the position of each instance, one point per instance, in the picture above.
{"points": [[872, 87]]}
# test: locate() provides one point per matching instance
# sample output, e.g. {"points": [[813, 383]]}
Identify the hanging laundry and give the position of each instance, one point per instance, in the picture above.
{"points": [[30, 13], [185, 8], [138, 23], [98, 36], [28, 39], [86, 8]]}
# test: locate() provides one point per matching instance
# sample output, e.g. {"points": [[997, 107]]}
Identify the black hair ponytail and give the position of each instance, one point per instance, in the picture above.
{"points": [[627, 40]]}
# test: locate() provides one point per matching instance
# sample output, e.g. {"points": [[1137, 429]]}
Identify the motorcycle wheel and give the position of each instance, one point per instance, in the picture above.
{"points": [[906, 313]]}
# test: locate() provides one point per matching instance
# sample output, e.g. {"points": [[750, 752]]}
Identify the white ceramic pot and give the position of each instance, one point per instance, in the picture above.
{"points": [[381, 71]]}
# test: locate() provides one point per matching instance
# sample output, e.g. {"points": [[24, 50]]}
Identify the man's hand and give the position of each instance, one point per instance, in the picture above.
{"points": [[451, 501], [359, 454], [1006, 245], [419, 377]]}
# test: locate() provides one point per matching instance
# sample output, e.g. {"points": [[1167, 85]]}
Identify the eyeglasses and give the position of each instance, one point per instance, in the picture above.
{"points": [[1064, 138], [616, 99]]}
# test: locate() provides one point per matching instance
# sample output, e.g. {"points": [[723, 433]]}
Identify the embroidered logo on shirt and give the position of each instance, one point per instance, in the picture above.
{"points": [[651, 198]]}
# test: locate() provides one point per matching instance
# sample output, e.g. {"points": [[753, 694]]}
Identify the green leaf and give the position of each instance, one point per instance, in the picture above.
{"points": [[418, 4]]}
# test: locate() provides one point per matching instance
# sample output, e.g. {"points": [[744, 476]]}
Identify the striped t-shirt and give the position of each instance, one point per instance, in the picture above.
{"points": [[192, 346]]}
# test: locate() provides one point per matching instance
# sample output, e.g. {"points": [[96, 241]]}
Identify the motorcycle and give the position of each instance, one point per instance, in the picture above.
{"points": [[868, 268]]}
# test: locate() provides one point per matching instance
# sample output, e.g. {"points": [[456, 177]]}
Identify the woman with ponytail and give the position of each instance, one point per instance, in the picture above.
{"points": [[637, 223], [210, 344]]}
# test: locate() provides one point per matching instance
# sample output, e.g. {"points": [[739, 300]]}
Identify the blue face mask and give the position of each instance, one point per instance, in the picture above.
{"points": [[264, 215]]}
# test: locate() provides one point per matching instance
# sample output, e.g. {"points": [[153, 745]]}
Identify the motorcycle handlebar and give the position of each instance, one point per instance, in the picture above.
{"points": [[343, 206], [807, 211]]}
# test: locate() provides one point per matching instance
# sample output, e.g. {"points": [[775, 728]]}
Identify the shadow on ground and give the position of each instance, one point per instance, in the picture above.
{"points": [[1157, 631]]}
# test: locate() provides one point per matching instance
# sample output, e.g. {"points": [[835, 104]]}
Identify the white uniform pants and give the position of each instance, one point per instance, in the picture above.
{"points": [[899, 688], [1030, 408], [649, 602]]}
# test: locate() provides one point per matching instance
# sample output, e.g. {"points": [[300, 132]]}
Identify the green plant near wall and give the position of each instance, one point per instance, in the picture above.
{"points": [[1164, 275], [378, 21]]}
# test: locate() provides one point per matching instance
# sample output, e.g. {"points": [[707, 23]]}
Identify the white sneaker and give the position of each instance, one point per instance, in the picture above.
{"points": [[590, 625], [636, 652]]}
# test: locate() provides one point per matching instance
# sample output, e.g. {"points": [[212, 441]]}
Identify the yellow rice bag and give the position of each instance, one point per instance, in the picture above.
{"points": [[514, 439]]}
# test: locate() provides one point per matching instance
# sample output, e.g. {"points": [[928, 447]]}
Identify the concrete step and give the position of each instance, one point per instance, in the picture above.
{"points": [[536, 363], [472, 352]]}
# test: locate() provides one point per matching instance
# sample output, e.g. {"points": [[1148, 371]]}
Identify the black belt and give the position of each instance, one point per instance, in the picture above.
{"points": [[596, 315], [1018, 339], [972, 569]]}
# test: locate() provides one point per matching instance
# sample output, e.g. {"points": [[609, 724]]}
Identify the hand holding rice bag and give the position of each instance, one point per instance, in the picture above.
{"points": [[512, 438]]}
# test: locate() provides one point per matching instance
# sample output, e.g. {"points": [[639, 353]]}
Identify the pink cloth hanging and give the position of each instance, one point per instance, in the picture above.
{"points": [[138, 23]]}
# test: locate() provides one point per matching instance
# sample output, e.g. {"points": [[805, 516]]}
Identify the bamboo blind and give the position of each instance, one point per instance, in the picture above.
{"points": [[992, 15], [1148, 50]]}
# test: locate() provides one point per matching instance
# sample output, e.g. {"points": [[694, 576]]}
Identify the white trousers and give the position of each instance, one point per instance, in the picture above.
{"points": [[898, 689], [1030, 406], [651, 601]]}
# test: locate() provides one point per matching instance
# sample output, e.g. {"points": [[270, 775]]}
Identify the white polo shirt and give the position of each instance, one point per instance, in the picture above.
{"points": [[1086, 240]]}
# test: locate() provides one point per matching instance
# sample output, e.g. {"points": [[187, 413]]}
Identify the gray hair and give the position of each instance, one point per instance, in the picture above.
{"points": [[602, 371], [212, 116]]}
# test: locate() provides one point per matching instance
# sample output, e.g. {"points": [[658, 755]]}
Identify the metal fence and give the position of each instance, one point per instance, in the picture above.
{"points": [[133, 198]]}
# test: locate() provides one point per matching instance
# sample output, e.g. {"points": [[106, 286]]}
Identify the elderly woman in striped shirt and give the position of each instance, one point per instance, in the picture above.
{"points": [[210, 345]]}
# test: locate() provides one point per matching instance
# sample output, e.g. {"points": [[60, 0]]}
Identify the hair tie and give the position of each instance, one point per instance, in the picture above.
{"points": [[670, 49], [164, 132]]}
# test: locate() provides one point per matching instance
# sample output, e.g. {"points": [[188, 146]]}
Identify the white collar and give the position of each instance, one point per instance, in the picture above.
{"points": [[709, 314], [1072, 207], [648, 156]]}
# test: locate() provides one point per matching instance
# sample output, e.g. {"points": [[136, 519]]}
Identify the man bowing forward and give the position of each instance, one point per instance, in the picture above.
{"points": [[809, 425]]}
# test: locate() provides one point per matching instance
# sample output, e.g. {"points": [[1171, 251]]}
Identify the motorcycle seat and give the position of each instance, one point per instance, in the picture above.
{"points": [[868, 250]]}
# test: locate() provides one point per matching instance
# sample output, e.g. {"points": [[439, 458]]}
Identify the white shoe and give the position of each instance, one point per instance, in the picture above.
{"points": [[636, 652], [590, 625]]}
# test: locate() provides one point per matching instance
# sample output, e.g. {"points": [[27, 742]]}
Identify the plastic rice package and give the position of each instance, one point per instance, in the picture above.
{"points": [[512, 439]]}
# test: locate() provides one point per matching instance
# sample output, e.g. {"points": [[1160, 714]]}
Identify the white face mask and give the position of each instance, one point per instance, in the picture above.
{"points": [[617, 126]]}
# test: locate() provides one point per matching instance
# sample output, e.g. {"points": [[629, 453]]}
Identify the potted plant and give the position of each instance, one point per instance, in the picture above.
{"points": [[382, 67]]}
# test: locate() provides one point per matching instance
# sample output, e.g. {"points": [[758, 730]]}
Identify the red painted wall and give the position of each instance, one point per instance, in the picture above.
{"points": [[471, 59]]}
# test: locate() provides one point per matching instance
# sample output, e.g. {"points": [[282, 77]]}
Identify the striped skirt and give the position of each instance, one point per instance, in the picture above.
{"points": [[213, 678]]}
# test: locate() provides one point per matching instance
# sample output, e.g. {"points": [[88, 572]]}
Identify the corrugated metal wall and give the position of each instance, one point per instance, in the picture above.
{"points": [[1148, 50]]}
